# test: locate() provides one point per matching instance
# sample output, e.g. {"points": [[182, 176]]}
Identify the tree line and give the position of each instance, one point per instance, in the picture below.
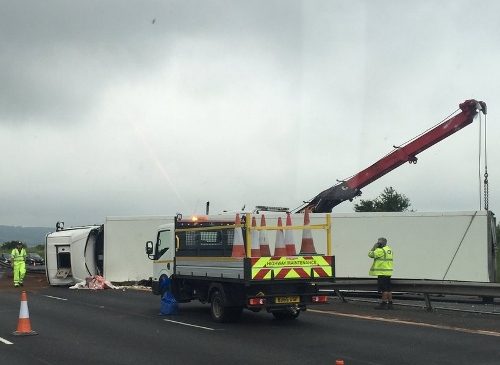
{"points": [[391, 201], [10, 245]]}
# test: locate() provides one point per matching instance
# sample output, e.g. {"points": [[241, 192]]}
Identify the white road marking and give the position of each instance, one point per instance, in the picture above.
{"points": [[5, 341], [419, 324], [50, 296], [190, 325]]}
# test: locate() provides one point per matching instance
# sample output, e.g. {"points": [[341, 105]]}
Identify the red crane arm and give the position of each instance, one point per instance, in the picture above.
{"points": [[347, 190]]}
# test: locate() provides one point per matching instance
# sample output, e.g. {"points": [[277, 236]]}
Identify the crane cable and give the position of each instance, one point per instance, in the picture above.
{"points": [[485, 192]]}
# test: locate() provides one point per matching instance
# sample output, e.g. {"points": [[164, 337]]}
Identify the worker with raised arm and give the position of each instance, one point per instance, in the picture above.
{"points": [[19, 264], [382, 268]]}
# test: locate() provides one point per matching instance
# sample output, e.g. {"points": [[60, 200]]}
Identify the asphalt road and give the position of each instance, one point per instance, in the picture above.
{"points": [[123, 327]]}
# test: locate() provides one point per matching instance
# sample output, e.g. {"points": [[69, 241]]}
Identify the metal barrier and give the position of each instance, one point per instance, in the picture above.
{"points": [[488, 291]]}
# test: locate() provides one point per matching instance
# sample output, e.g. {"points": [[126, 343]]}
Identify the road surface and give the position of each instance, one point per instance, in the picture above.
{"points": [[124, 327]]}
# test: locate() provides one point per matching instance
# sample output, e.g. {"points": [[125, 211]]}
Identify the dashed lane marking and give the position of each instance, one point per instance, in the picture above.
{"points": [[50, 296], [5, 341], [190, 325], [400, 321]]}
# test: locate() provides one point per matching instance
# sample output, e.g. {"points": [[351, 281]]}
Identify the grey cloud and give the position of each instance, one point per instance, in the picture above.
{"points": [[236, 102], [58, 55]]}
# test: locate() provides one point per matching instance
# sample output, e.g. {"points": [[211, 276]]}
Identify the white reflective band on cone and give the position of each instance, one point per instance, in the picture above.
{"points": [[23, 310]]}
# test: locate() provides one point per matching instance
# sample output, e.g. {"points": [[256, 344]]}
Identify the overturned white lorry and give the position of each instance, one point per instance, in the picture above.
{"points": [[458, 246], [114, 250]]}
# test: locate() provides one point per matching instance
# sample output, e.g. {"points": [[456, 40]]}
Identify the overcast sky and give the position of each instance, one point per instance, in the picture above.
{"points": [[155, 107]]}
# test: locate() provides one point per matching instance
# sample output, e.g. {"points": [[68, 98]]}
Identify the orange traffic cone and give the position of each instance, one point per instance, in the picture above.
{"points": [[339, 362], [238, 243], [279, 246], [263, 243], [307, 246], [255, 250], [24, 325], [289, 244]]}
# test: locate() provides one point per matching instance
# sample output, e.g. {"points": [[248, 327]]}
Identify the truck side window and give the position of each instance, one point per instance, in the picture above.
{"points": [[163, 243]]}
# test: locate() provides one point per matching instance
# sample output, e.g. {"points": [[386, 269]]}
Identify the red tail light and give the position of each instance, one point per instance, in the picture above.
{"points": [[320, 299], [256, 301]]}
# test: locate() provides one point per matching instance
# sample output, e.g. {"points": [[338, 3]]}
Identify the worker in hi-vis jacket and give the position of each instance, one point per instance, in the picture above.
{"points": [[382, 268], [19, 264]]}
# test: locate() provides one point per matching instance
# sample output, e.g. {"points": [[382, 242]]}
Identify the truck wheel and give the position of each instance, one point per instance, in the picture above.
{"points": [[220, 312], [289, 313], [217, 308]]}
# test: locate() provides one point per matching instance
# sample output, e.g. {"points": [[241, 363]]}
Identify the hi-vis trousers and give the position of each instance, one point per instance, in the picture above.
{"points": [[19, 272]]}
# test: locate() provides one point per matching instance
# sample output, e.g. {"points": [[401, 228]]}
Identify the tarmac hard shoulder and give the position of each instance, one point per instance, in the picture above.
{"points": [[416, 314]]}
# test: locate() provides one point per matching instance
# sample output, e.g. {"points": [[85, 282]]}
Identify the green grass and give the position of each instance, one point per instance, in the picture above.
{"points": [[41, 252]]}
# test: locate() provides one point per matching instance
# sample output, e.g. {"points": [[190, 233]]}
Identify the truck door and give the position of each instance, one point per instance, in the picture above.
{"points": [[163, 265]]}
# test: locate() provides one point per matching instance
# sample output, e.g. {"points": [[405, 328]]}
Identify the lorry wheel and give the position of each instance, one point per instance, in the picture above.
{"points": [[289, 313], [217, 308], [220, 312]]}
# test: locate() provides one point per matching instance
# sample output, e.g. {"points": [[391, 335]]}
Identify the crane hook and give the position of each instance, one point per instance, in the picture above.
{"points": [[482, 107]]}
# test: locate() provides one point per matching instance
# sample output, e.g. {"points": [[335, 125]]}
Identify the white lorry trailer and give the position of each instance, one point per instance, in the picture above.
{"points": [[456, 246], [113, 250]]}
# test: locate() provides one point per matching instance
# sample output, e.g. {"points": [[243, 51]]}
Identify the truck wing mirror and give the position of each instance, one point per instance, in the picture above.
{"points": [[149, 250]]}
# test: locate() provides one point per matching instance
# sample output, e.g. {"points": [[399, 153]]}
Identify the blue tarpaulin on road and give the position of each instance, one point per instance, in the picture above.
{"points": [[168, 304]]}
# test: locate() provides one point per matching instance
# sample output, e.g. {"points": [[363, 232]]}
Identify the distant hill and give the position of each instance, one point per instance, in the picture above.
{"points": [[31, 236]]}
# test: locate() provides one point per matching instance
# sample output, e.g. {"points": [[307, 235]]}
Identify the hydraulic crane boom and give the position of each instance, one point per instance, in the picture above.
{"points": [[350, 188]]}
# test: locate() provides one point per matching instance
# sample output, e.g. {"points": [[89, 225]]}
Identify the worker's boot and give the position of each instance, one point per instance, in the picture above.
{"points": [[382, 305], [389, 305]]}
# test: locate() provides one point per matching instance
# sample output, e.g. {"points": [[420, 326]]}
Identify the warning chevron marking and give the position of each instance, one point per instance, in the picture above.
{"points": [[299, 267]]}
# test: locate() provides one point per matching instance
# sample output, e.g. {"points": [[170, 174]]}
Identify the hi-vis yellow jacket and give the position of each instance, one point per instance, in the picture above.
{"points": [[382, 261], [18, 256]]}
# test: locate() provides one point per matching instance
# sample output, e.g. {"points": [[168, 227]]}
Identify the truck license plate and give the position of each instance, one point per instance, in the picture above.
{"points": [[286, 300]]}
